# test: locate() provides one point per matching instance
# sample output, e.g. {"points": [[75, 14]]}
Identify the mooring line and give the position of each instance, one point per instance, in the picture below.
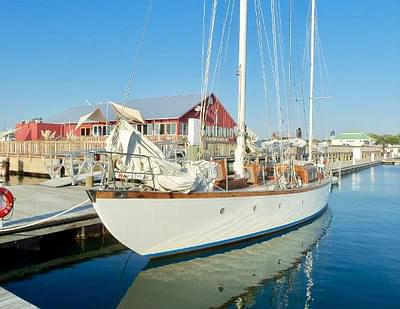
{"points": [[21, 227]]}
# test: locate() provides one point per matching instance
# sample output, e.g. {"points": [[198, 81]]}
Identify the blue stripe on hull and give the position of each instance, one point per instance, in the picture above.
{"points": [[237, 239]]}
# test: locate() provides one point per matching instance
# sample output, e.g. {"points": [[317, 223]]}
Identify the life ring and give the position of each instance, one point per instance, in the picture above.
{"points": [[6, 202]]}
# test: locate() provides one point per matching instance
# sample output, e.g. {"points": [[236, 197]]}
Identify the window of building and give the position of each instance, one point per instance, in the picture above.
{"points": [[100, 130], [109, 129], [165, 128], [85, 131], [184, 129], [170, 128], [162, 128], [149, 129], [156, 129]]}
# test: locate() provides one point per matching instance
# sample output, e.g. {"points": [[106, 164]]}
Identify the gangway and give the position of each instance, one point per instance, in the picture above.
{"points": [[71, 168]]}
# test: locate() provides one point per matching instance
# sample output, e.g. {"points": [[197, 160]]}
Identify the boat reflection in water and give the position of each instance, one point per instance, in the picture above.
{"points": [[231, 277]]}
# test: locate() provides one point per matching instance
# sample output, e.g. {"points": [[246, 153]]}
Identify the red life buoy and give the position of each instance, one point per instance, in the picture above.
{"points": [[6, 202]]}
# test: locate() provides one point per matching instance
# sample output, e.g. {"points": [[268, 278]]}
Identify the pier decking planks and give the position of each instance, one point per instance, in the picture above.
{"points": [[350, 168], [10, 301], [35, 202]]}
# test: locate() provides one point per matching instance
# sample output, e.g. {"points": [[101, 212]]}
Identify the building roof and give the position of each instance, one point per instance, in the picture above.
{"points": [[73, 114], [352, 135], [150, 108], [165, 107]]}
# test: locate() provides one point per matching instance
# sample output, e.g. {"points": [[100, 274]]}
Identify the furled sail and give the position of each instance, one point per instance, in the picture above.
{"points": [[142, 159]]}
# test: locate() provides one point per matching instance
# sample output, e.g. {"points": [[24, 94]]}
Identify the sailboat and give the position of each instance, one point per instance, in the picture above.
{"points": [[157, 219]]}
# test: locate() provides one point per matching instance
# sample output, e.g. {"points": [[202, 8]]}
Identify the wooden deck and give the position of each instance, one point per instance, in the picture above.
{"points": [[36, 203], [10, 301]]}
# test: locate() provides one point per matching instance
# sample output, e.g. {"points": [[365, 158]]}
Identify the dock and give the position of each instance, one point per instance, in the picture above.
{"points": [[391, 161], [10, 301], [347, 168], [38, 212]]}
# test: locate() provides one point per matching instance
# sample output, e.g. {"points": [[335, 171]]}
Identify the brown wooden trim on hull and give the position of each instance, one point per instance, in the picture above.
{"points": [[121, 194]]}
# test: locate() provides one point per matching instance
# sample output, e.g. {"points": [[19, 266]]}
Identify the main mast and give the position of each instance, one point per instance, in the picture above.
{"points": [[312, 36], [240, 148]]}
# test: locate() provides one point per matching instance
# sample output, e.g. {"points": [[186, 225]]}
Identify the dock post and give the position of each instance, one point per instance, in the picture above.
{"points": [[89, 181], [5, 169]]}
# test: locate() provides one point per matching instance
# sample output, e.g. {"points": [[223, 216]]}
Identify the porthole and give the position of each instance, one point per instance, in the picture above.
{"points": [[222, 210], [279, 206], [254, 207]]}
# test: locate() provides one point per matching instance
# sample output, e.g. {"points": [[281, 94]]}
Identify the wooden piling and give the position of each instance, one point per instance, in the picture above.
{"points": [[5, 168], [89, 181]]}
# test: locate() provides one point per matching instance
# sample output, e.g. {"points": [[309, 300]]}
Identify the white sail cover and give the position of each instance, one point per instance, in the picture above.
{"points": [[95, 115], [127, 113], [142, 157]]}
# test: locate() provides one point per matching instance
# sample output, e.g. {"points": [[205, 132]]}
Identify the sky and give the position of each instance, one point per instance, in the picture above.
{"points": [[58, 54]]}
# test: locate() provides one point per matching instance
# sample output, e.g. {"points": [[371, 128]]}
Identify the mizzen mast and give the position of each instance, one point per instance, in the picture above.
{"points": [[240, 148], [311, 99]]}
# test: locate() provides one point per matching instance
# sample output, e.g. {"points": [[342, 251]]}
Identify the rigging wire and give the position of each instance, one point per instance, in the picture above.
{"points": [[227, 41], [138, 53], [289, 67], [267, 42], [281, 58], [222, 51], [275, 70], [323, 72], [302, 69], [204, 88], [202, 43], [258, 13], [132, 75], [221, 46]]}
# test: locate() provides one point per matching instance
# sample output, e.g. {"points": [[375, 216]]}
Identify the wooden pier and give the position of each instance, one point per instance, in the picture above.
{"points": [[391, 161], [348, 168], [10, 301], [37, 212]]}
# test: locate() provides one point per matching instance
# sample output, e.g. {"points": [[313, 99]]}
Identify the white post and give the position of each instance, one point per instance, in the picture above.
{"points": [[240, 148], [311, 99]]}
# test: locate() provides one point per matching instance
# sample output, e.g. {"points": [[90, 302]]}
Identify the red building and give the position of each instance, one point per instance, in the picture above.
{"points": [[165, 118]]}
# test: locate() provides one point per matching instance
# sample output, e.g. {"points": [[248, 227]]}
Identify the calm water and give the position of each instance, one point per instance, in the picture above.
{"points": [[348, 258], [25, 180]]}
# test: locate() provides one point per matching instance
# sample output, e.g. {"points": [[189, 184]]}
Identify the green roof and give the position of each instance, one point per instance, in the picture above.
{"points": [[353, 135]]}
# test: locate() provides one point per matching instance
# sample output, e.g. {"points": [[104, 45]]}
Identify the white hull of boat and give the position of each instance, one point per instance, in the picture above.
{"points": [[164, 226], [215, 280]]}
